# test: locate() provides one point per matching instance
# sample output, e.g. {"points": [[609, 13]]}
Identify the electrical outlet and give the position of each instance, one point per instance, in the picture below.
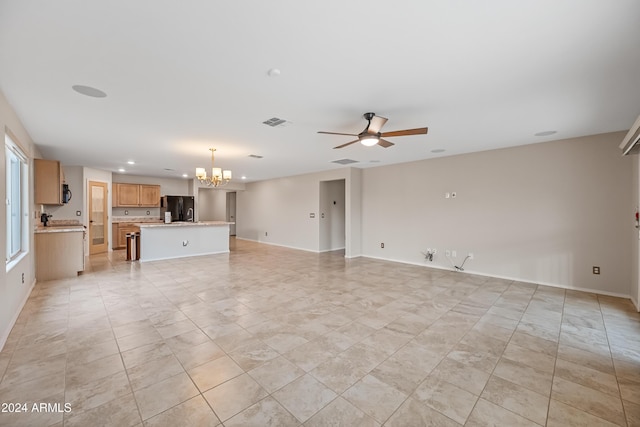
{"points": [[126, 212], [454, 195], [454, 254], [23, 278], [447, 252], [78, 213], [266, 234], [596, 270], [382, 245]]}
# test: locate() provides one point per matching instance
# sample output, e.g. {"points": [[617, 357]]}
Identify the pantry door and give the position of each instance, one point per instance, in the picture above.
{"points": [[98, 219]]}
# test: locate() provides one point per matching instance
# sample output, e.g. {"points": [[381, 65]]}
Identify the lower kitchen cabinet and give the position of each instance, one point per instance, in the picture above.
{"points": [[120, 234], [59, 254]]}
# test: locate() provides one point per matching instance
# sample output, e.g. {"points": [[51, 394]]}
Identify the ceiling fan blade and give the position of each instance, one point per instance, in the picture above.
{"points": [[376, 124], [348, 143], [418, 131], [384, 143], [338, 133]]}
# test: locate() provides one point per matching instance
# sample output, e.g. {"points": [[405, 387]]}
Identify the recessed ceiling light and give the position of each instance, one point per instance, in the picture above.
{"points": [[545, 133], [169, 169], [121, 170], [184, 175], [438, 150], [274, 72], [89, 91], [243, 177], [131, 162]]}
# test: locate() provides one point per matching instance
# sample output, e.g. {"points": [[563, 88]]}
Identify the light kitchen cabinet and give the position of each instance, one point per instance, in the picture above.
{"points": [[120, 234], [126, 195], [149, 195], [135, 195], [59, 254], [48, 179]]}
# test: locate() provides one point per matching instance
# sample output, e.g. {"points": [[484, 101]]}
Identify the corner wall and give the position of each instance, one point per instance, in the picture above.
{"points": [[543, 213], [13, 291], [278, 211], [635, 237]]}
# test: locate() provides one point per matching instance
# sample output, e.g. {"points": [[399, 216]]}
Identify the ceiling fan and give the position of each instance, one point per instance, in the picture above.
{"points": [[371, 135]]}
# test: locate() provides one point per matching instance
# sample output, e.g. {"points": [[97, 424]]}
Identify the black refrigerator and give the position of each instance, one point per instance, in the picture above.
{"points": [[181, 208]]}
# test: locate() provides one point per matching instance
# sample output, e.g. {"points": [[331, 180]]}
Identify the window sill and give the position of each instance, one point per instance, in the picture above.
{"points": [[11, 264]]}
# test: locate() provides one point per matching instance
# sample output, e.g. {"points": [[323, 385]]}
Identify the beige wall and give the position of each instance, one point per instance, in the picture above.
{"points": [[13, 293], [212, 204], [278, 211], [635, 245], [543, 213]]}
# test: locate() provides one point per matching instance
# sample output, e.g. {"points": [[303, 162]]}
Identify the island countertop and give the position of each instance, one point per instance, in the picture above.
{"points": [[184, 224]]}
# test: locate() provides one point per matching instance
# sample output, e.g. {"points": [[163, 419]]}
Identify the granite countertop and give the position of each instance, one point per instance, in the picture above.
{"points": [[135, 219], [58, 228], [186, 224]]}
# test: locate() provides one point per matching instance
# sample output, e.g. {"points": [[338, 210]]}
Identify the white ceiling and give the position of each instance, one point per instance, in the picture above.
{"points": [[183, 76]]}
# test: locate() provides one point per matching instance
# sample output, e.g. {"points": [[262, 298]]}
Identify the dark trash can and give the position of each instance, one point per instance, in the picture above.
{"points": [[133, 246]]}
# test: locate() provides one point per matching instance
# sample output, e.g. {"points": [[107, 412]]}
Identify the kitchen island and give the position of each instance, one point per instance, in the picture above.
{"points": [[183, 239]]}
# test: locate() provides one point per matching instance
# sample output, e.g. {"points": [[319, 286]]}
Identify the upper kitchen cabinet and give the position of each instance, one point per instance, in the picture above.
{"points": [[149, 195], [135, 195], [126, 195], [48, 182]]}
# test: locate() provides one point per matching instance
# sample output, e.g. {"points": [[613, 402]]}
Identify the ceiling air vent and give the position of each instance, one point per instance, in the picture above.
{"points": [[255, 156], [344, 161], [631, 143], [275, 122]]}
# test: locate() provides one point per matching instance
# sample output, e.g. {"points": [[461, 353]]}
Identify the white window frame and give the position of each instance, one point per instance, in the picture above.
{"points": [[17, 236]]}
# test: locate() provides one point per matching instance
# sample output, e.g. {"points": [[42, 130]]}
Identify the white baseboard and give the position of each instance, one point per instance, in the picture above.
{"points": [[276, 244], [332, 250], [516, 279], [476, 273], [12, 323]]}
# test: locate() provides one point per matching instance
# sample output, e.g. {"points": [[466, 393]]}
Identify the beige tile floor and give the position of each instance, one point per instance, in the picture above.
{"points": [[268, 336]]}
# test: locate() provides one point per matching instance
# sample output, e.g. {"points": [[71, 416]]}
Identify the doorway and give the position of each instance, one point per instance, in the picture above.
{"points": [[332, 232], [231, 212], [98, 219]]}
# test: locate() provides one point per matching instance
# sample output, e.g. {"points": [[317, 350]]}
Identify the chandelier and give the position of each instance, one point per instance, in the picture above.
{"points": [[218, 177]]}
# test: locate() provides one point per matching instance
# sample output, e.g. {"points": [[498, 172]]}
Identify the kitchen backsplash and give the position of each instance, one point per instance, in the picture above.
{"points": [[131, 218], [59, 222], [153, 212]]}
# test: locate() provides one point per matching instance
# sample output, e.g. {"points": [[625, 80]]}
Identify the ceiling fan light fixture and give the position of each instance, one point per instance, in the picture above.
{"points": [[369, 141]]}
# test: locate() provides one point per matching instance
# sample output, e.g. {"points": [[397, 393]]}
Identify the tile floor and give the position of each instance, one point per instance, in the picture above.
{"points": [[268, 336]]}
